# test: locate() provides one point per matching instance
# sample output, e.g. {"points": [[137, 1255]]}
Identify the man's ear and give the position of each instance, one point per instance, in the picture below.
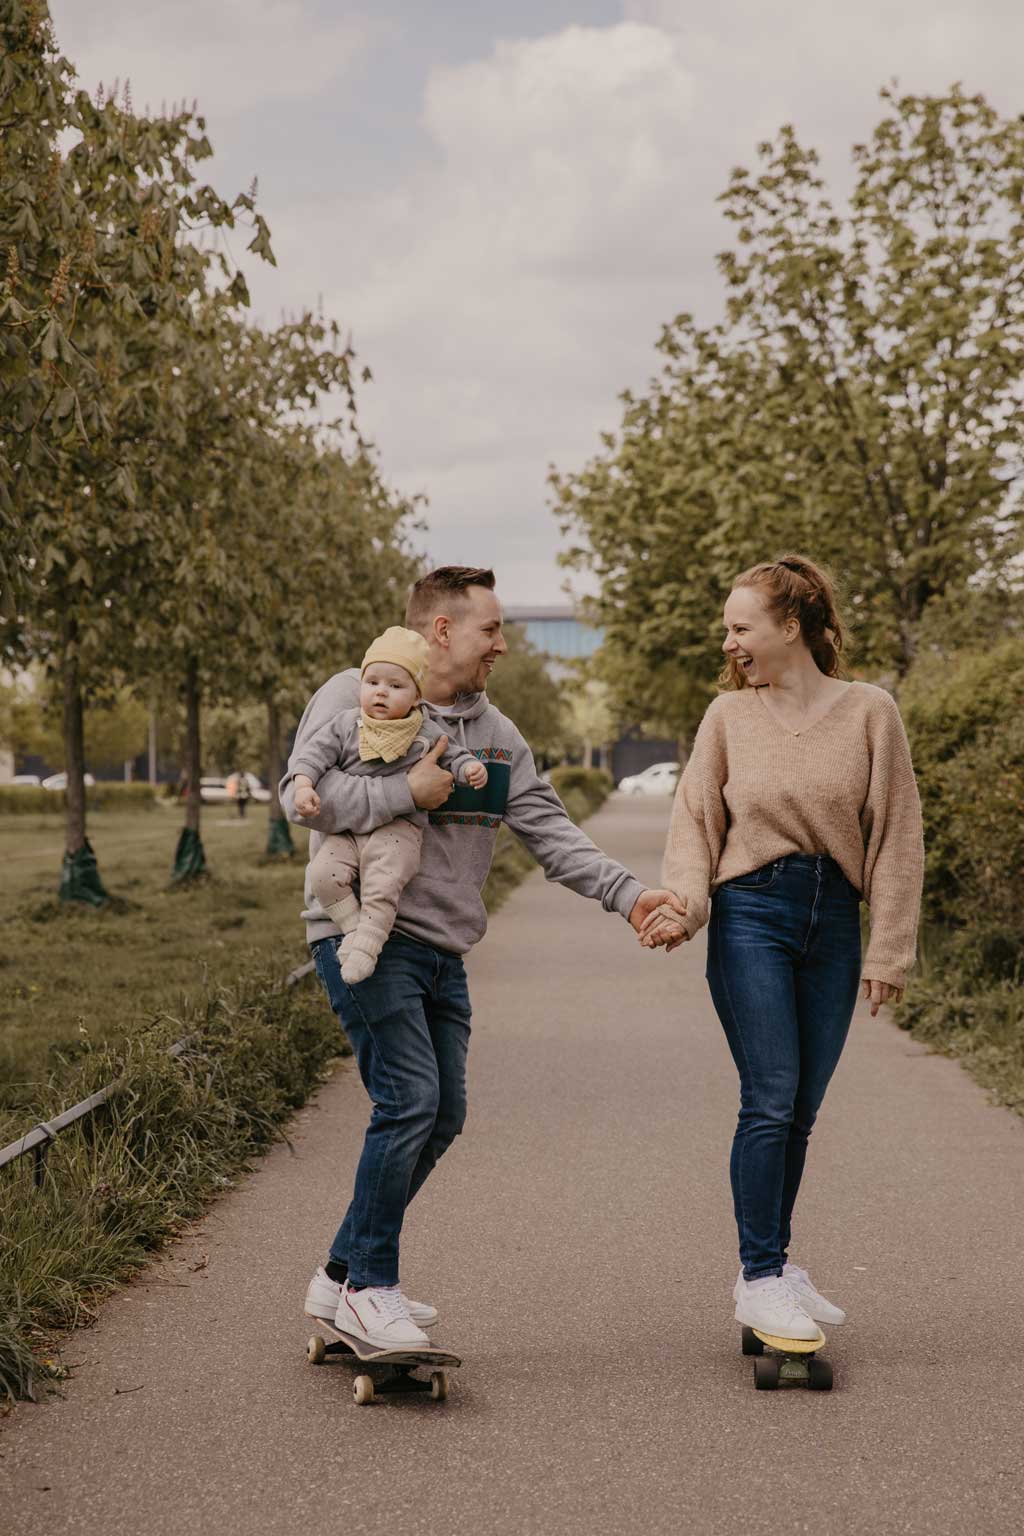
{"points": [[441, 630]]}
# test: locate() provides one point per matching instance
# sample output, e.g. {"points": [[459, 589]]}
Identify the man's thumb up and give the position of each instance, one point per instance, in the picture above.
{"points": [[429, 783]]}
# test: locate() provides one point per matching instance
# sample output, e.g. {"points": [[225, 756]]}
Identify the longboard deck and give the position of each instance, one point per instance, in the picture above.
{"points": [[372, 1354], [790, 1346]]}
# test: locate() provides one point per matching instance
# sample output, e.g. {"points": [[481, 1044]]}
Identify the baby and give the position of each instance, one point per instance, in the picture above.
{"points": [[387, 728]]}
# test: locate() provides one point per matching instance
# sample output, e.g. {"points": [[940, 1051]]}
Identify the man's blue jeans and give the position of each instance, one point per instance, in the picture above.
{"points": [[409, 1025], [784, 972]]}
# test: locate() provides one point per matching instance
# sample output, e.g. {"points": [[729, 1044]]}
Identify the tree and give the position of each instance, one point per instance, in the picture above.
{"points": [[279, 539], [100, 267], [860, 400], [590, 720], [341, 576]]}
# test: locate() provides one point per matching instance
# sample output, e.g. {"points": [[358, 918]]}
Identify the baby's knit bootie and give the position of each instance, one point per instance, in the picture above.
{"points": [[360, 952]]}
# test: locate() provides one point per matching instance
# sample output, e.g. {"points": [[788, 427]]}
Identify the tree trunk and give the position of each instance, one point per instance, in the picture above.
{"points": [[193, 751], [279, 837], [74, 745], [79, 878], [152, 745], [189, 858]]}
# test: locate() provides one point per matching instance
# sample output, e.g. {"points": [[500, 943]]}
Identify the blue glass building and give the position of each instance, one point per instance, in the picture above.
{"points": [[556, 631]]}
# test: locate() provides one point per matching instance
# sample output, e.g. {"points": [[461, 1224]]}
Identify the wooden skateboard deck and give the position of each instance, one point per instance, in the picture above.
{"points": [[399, 1363], [790, 1346]]}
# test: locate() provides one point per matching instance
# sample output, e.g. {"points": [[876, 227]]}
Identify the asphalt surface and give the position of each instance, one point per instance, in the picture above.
{"points": [[579, 1242]]}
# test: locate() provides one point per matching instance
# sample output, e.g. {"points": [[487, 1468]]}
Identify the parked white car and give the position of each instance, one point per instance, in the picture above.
{"points": [[60, 781], [215, 791], [658, 779], [27, 780]]}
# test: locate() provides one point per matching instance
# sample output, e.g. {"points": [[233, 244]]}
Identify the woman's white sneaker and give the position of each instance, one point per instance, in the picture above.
{"points": [[379, 1315], [770, 1305], [812, 1301], [324, 1294]]}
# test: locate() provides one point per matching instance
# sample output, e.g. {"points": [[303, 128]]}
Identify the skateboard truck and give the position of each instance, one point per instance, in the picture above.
{"points": [[399, 1365], [782, 1362]]}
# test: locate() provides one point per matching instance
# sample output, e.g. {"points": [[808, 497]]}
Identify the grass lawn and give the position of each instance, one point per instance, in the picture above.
{"points": [[69, 971]]}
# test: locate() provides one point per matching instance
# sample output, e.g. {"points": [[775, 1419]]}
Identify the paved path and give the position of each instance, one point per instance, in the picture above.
{"points": [[580, 1243]]}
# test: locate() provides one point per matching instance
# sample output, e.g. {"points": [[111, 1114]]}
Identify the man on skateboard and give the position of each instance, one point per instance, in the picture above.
{"points": [[409, 1022]]}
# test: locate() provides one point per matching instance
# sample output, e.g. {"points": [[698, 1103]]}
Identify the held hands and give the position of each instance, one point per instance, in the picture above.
{"points": [[429, 783], [307, 801], [476, 775], [655, 916], [878, 992]]}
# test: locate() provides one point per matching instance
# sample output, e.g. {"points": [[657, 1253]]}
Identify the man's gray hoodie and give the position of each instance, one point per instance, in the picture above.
{"points": [[442, 905]]}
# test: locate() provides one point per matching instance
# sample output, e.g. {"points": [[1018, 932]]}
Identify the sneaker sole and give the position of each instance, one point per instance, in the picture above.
{"points": [[776, 1333]]}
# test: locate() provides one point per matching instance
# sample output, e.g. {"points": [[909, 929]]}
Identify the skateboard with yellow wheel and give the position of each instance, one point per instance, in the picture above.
{"points": [[398, 1364], [786, 1362]]}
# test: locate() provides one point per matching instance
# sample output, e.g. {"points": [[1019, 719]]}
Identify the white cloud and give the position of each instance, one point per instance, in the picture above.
{"points": [[497, 294], [229, 55]]}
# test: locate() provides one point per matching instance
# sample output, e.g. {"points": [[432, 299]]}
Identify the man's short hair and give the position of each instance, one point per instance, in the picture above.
{"points": [[441, 589]]}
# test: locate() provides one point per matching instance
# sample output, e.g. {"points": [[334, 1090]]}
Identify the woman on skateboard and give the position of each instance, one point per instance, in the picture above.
{"points": [[798, 801]]}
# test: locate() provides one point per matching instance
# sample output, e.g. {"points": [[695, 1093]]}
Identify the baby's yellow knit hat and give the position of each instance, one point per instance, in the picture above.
{"points": [[405, 648]]}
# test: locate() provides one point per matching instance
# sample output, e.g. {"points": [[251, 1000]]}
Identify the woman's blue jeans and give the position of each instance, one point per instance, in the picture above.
{"points": [[784, 972], [409, 1026]]}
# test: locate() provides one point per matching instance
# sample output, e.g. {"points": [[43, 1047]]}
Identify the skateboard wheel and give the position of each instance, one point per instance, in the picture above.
{"points": [[316, 1350], [362, 1390], [751, 1343], [819, 1376], [439, 1385], [766, 1374]]}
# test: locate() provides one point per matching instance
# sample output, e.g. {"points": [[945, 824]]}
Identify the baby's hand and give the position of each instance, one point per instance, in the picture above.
{"points": [[307, 801], [476, 775]]}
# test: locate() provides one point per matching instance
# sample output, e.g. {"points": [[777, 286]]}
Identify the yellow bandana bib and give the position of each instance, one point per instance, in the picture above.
{"points": [[389, 739]]}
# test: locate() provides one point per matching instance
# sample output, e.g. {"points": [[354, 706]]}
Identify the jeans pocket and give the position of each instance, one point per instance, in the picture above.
{"points": [[756, 880], [328, 970]]}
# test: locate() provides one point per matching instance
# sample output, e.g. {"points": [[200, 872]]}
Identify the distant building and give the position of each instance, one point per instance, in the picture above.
{"points": [[557, 632], [564, 638]]}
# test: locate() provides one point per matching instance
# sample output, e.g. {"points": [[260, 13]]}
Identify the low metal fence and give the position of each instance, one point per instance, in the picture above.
{"points": [[41, 1137]]}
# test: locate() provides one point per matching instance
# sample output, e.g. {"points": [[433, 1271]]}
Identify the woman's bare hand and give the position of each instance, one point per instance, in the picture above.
{"points": [[663, 927], [879, 992]]}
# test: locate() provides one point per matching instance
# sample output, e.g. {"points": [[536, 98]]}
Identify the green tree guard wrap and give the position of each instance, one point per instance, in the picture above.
{"points": [[279, 838], [80, 878], [189, 858]]}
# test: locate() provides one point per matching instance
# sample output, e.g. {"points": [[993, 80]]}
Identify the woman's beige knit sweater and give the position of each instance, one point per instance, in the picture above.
{"points": [[753, 791]]}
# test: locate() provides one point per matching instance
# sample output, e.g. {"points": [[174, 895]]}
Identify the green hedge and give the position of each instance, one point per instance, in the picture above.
{"points": [[593, 784], [33, 800], [965, 718]]}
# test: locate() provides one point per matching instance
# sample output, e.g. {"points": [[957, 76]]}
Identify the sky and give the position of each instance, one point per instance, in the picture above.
{"points": [[503, 203]]}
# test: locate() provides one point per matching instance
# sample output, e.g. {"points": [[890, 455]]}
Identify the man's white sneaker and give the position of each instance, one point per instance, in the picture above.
{"points": [[812, 1301], [324, 1294], [770, 1305], [379, 1315]]}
